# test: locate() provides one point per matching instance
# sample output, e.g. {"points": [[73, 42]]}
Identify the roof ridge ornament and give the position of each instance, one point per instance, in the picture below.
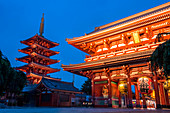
{"points": [[42, 25]]}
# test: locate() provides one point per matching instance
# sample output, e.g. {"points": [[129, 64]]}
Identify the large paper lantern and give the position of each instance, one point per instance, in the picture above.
{"points": [[145, 85], [123, 87]]}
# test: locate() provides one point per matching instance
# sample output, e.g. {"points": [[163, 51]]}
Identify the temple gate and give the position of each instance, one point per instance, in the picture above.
{"points": [[119, 55]]}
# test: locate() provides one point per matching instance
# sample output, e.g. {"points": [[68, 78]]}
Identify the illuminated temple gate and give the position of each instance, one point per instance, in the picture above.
{"points": [[119, 56]]}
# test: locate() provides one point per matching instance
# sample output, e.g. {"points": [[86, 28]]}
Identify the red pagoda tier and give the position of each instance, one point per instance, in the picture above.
{"points": [[38, 60]]}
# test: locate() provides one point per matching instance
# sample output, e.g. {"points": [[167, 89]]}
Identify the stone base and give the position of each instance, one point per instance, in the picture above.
{"points": [[130, 106], [167, 106], [138, 106], [144, 106], [163, 106], [109, 105], [158, 106], [119, 105]]}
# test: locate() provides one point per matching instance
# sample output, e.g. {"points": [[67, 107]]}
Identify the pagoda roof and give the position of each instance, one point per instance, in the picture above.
{"points": [[28, 50], [32, 64], [109, 62], [54, 85], [30, 75], [138, 20], [31, 40], [27, 58]]}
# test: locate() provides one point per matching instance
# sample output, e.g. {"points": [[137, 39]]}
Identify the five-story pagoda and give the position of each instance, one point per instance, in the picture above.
{"points": [[38, 57]]}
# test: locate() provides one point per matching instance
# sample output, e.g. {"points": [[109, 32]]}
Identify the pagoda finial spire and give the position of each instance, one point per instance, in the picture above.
{"points": [[42, 25]]}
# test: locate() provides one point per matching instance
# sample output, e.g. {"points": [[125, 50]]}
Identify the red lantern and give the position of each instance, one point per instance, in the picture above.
{"points": [[145, 85]]}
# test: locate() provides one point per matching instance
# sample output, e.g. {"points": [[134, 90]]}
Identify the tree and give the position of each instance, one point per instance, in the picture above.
{"points": [[160, 59], [86, 87], [4, 72], [11, 81]]}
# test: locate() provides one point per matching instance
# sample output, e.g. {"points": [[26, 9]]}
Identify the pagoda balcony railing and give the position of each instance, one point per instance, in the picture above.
{"points": [[44, 48], [44, 57], [127, 49], [41, 64], [38, 49], [41, 41]]}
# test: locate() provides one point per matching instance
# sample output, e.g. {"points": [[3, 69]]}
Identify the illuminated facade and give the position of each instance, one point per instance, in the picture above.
{"points": [[120, 51]]}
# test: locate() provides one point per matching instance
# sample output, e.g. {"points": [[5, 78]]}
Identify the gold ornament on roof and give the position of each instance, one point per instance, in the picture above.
{"points": [[136, 37], [42, 25]]}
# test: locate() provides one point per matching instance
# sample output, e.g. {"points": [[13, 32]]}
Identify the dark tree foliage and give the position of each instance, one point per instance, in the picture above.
{"points": [[86, 87], [11, 81], [160, 59]]}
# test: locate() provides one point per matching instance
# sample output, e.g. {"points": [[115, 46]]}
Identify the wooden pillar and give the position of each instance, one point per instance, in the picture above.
{"points": [[167, 99], [39, 100], [144, 101], [157, 98], [137, 96], [127, 71], [107, 72], [119, 98], [109, 91], [126, 100], [52, 99], [162, 95], [70, 102], [129, 92], [93, 92], [58, 99]]}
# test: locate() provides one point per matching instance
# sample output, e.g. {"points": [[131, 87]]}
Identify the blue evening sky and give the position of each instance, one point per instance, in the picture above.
{"points": [[20, 20]]}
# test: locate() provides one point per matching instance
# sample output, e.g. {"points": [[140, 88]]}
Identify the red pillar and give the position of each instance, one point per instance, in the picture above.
{"points": [[126, 100], [137, 96], [70, 104], [51, 102], [129, 103], [110, 91], [127, 71], [162, 95], [157, 98], [167, 99], [119, 98], [58, 100], [93, 93], [39, 100]]}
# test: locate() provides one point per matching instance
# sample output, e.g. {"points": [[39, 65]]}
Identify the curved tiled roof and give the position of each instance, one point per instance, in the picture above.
{"points": [[59, 85], [29, 88], [54, 85], [134, 17]]}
